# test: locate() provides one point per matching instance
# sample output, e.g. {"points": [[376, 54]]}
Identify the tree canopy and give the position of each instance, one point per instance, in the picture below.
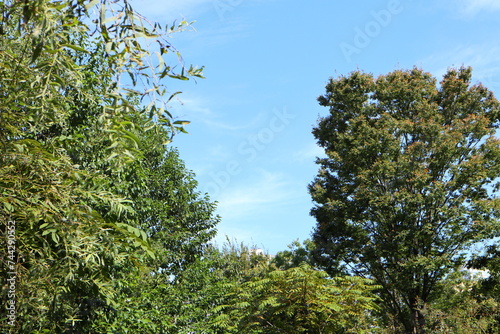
{"points": [[96, 198], [409, 181], [106, 232]]}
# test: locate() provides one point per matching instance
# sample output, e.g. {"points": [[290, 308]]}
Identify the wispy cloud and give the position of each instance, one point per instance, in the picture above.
{"points": [[169, 10], [472, 7], [235, 235], [269, 191], [483, 58], [216, 31], [224, 125], [308, 153], [246, 209], [221, 33], [200, 110], [249, 202], [195, 105]]}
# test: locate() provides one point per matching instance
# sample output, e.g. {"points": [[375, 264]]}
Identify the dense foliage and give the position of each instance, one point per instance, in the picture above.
{"points": [[409, 181], [105, 231], [71, 134]]}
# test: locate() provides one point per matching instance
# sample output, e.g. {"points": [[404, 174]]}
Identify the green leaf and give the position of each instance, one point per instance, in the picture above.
{"points": [[76, 47], [91, 4], [51, 230]]}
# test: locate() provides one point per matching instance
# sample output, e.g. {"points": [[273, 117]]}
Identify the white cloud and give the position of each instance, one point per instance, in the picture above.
{"points": [[235, 235], [257, 119], [195, 104], [263, 211], [200, 110], [218, 152], [269, 191], [169, 10], [472, 7], [218, 29], [242, 207], [308, 153], [483, 59]]}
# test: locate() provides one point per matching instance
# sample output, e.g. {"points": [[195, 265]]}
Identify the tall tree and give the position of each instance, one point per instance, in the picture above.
{"points": [[62, 65], [177, 219], [408, 183]]}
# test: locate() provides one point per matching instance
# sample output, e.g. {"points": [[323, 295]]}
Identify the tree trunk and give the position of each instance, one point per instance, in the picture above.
{"points": [[417, 320]]}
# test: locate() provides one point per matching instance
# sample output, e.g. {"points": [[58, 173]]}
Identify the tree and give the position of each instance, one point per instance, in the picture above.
{"points": [[299, 300], [62, 65], [295, 255], [488, 287], [459, 308], [178, 221], [199, 293], [408, 183], [162, 192], [235, 290]]}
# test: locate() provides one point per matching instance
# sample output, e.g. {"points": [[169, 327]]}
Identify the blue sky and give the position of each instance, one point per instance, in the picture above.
{"points": [[266, 62]]}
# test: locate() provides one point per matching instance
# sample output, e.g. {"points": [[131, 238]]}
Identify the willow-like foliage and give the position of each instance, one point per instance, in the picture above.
{"points": [[66, 69]]}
